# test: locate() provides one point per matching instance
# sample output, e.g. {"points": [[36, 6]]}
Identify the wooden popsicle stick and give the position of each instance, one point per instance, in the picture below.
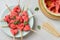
{"points": [[7, 7], [21, 35], [19, 2], [47, 26], [26, 8], [13, 37], [32, 16], [1, 19], [19, 5], [33, 30], [4, 26]]}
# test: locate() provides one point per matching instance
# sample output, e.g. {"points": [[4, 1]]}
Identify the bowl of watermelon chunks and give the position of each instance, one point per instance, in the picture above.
{"points": [[17, 21], [52, 7]]}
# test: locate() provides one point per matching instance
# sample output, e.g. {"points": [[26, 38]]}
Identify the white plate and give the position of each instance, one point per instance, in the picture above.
{"points": [[7, 30]]}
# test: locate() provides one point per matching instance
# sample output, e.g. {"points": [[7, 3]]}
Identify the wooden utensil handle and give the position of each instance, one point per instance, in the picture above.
{"points": [[47, 26]]}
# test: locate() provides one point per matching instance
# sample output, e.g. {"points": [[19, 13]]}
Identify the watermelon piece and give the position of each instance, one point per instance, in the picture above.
{"points": [[12, 13], [12, 21], [20, 26], [7, 18], [12, 17], [17, 9], [26, 28], [25, 13], [25, 18], [19, 18], [14, 31], [12, 26]]}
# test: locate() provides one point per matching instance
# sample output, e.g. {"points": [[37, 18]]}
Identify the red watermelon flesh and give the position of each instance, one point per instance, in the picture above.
{"points": [[25, 13], [7, 18], [25, 18], [17, 9], [14, 31], [20, 26], [12, 26], [12, 21], [26, 28], [13, 13], [19, 18]]}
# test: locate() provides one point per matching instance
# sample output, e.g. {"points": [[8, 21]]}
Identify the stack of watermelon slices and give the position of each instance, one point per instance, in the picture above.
{"points": [[16, 21]]}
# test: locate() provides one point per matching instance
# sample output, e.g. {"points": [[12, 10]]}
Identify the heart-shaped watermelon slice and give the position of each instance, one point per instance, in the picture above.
{"points": [[26, 28], [14, 31]]}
